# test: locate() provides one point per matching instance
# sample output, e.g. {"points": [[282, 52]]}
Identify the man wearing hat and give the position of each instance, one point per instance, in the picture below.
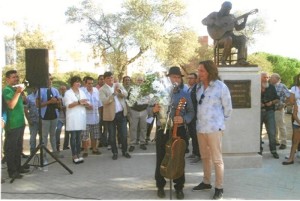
{"points": [[220, 26], [185, 117]]}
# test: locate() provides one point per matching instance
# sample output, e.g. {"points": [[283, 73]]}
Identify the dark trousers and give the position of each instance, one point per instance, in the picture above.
{"points": [[193, 135], [161, 140], [118, 124], [13, 149]]}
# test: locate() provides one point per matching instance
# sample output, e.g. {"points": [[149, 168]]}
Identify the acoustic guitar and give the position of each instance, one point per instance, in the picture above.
{"points": [[172, 166], [224, 24]]}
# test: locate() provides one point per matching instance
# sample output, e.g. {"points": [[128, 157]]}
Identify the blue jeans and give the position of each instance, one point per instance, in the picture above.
{"points": [[49, 127], [59, 126], [75, 142], [268, 118], [33, 129], [120, 124]]}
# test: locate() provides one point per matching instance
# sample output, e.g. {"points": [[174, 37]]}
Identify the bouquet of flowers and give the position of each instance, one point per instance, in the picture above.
{"points": [[154, 90]]}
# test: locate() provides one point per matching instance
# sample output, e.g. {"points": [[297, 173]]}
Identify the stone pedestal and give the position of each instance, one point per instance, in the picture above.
{"points": [[241, 138]]}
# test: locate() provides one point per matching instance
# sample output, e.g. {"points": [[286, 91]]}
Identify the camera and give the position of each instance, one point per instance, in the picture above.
{"points": [[24, 84]]}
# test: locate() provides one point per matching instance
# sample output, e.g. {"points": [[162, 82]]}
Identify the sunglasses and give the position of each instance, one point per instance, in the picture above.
{"points": [[201, 98]]}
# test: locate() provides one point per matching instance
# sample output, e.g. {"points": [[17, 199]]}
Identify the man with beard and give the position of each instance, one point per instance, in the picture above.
{"points": [[269, 98]]}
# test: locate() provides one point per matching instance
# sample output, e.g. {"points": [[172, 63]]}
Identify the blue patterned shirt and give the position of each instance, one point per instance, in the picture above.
{"points": [[214, 107], [283, 93]]}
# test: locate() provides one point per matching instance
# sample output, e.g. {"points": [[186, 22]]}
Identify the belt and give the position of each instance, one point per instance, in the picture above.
{"points": [[119, 112]]}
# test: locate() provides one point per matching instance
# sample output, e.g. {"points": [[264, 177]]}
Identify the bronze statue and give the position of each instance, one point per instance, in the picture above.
{"points": [[220, 26]]}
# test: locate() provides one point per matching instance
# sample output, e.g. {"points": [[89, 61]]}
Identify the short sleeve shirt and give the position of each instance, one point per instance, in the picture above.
{"points": [[15, 116]]}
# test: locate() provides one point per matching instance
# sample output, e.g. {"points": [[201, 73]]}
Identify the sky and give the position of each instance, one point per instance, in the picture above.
{"points": [[280, 16]]}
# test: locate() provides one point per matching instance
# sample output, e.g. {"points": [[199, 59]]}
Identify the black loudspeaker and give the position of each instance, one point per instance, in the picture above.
{"points": [[37, 67]]}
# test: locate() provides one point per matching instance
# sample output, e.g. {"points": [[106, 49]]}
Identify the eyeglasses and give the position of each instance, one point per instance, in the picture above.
{"points": [[201, 98]]}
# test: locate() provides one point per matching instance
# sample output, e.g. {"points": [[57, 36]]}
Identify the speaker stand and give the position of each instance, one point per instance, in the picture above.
{"points": [[41, 146]]}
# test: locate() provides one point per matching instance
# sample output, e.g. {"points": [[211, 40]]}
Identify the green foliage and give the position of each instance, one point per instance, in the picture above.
{"points": [[64, 79], [286, 67], [142, 25]]}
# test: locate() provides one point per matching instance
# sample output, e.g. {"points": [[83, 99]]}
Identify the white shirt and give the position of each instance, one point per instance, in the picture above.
{"points": [[75, 116], [215, 107], [118, 105], [92, 116]]}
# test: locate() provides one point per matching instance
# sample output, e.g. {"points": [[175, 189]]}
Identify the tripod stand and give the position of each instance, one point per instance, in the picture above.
{"points": [[41, 147]]}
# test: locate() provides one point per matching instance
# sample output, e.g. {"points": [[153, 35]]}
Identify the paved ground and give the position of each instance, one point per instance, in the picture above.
{"points": [[99, 177]]}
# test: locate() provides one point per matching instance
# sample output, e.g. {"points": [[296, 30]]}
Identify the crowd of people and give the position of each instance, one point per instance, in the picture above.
{"points": [[98, 115]]}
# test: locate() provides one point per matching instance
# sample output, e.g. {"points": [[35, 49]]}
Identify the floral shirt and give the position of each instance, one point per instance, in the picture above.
{"points": [[283, 93], [214, 107]]}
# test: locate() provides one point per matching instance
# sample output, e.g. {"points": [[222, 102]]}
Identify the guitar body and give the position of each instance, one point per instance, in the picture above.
{"points": [[172, 166], [224, 24]]}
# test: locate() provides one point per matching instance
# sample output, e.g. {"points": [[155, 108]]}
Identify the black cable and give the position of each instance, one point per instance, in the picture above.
{"points": [[80, 198]]}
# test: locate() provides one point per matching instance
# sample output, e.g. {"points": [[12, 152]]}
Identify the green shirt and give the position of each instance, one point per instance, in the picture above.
{"points": [[15, 117]]}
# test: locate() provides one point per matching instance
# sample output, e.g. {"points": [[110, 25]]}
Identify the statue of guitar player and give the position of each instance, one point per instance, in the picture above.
{"points": [[220, 27]]}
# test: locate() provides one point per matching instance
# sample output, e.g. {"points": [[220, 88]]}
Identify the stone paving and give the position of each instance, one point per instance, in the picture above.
{"points": [[100, 177]]}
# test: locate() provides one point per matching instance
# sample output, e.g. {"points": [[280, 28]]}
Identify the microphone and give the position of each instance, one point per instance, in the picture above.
{"points": [[175, 85]]}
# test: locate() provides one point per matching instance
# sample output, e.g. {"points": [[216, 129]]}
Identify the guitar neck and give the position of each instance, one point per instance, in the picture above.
{"points": [[246, 14]]}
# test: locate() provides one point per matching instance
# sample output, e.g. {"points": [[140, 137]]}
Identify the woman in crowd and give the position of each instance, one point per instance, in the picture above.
{"points": [[75, 101]]}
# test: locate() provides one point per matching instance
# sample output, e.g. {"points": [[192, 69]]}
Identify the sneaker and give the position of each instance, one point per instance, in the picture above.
{"points": [[97, 152], [161, 193], [191, 156], [275, 155], [282, 146], [179, 194], [195, 160], [131, 148], [218, 194], [143, 147], [202, 186], [108, 147]]}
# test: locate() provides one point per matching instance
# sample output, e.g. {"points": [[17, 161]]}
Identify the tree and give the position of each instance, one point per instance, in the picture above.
{"points": [[18, 41], [121, 38], [286, 67]]}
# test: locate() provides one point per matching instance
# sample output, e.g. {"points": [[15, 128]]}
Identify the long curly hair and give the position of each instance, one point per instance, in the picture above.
{"points": [[212, 69]]}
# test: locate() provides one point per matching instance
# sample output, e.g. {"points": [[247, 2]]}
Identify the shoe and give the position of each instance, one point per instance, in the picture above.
{"points": [[131, 148], [195, 160], [76, 161], [143, 147], [24, 155], [191, 156], [126, 155], [115, 157], [81, 160], [23, 171], [260, 153], [275, 155], [282, 146], [202, 186], [26, 166], [218, 194], [287, 163], [179, 194], [97, 152], [108, 147], [277, 143], [161, 193], [84, 155], [16, 175], [65, 148]]}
